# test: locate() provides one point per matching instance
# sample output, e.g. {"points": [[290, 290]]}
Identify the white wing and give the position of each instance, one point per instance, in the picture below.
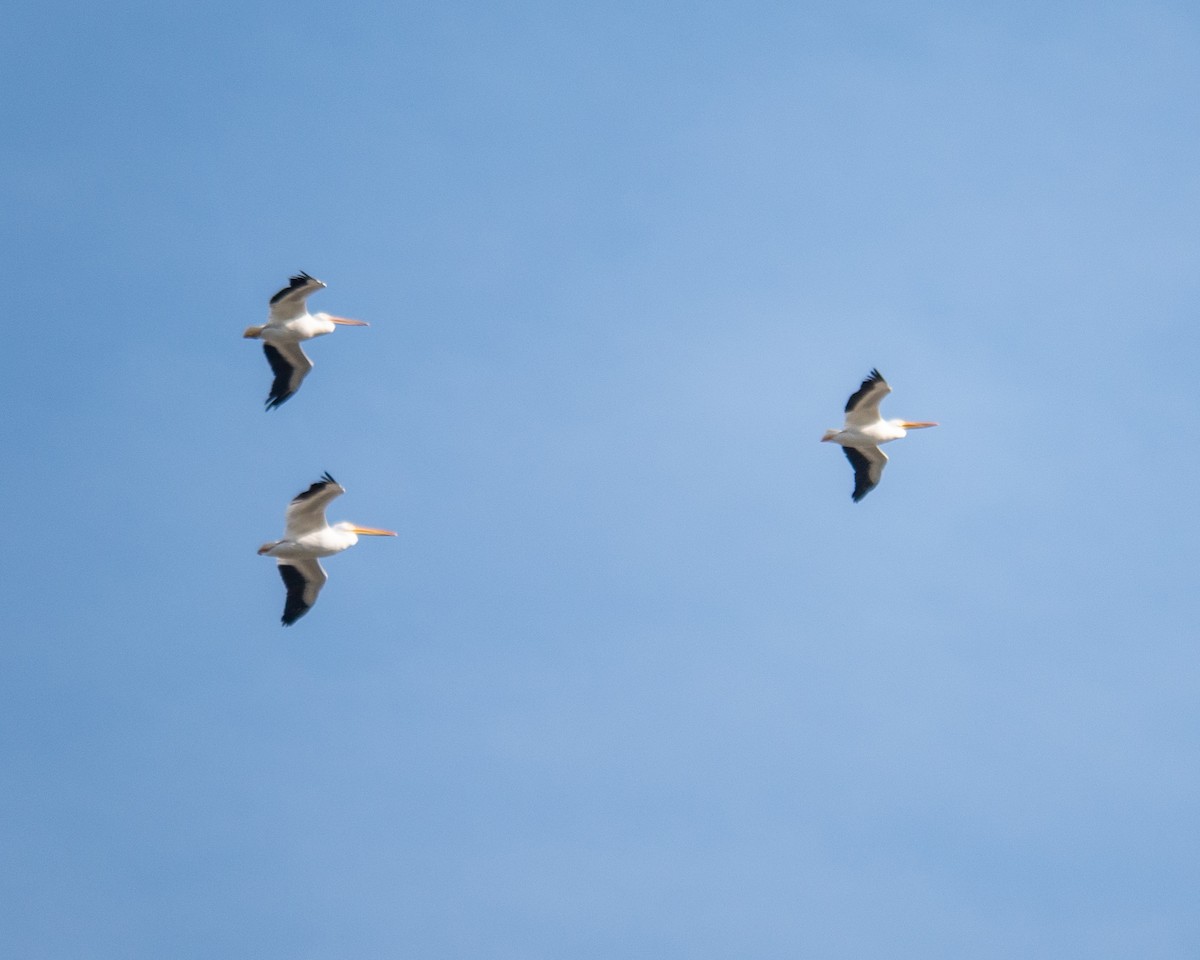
{"points": [[290, 302], [862, 408], [306, 513], [303, 580]]}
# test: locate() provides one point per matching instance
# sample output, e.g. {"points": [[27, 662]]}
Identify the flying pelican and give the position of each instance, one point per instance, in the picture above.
{"points": [[288, 323], [865, 430], [306, 536]]}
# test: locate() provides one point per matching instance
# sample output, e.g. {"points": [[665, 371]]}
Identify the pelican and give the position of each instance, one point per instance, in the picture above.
{"points": [[307, 536], [865, 430], [288, 323]]}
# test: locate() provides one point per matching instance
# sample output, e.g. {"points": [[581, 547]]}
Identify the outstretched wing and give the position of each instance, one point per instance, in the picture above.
{"points": [[289, 302], [868, 464], [290, 365], [863, 406], [303, 580], [306, 513]]}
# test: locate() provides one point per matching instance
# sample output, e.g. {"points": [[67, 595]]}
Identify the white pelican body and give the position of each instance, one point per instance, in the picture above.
{"points": [[288, 324], [865, 430], [307, 536]]}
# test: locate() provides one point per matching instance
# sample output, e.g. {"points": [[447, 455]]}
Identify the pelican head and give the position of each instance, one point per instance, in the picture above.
{"points": [[829, 435], [356, 531], [253, 333], [343, 321], [910, 425]]}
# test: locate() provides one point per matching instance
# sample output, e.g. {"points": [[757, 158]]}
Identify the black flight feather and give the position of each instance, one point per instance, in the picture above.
{"points": [[281, 390], [315, 488], [294, 607], [873, 378], [862, 473], [298, 282]]}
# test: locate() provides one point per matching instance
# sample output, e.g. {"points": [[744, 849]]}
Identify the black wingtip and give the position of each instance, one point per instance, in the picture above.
{"points": [[873, 378], [282, 372], [316, 487], [294, 606], [296, 282], [862, 473]]}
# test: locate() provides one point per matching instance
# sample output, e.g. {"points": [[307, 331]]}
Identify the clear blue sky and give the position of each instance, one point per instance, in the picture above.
{"points": [[637, 679]]}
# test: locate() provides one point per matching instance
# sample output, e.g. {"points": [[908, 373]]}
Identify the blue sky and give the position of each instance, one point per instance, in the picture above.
{"points": [[637, 679]]}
